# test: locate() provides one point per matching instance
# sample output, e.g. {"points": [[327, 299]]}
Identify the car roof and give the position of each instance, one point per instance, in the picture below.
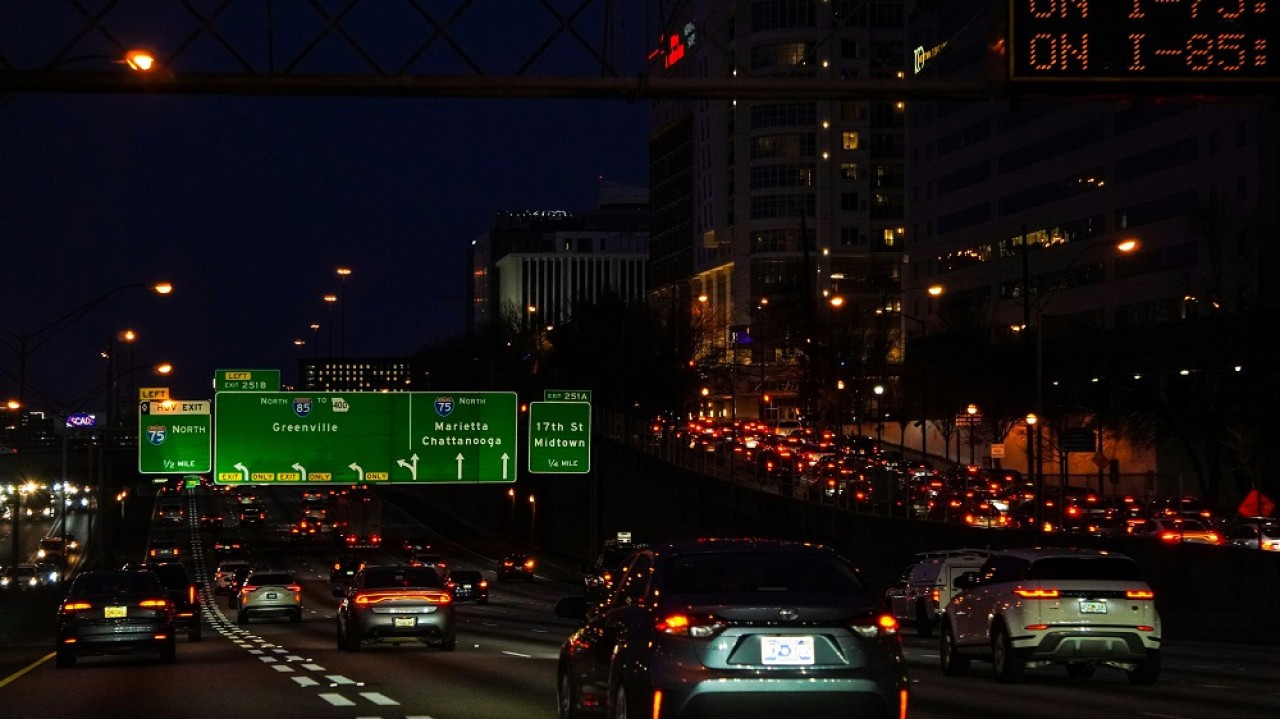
{"points": [[1036, 553], [741, 544]]}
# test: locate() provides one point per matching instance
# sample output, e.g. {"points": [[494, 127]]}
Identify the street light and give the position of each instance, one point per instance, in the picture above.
{"points": [[973, 417], [879, 392], [342, 289]]}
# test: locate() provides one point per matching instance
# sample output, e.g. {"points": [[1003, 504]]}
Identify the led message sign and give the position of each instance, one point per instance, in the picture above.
{"points": [[1143, 40]]}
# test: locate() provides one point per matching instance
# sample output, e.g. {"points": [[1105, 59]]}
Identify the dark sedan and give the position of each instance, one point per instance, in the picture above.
{"points": [[115, 611], [743, 628]]}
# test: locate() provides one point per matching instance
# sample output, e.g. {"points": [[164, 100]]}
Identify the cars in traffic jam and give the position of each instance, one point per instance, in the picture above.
{"points": [[115, 611], [396, 604]]}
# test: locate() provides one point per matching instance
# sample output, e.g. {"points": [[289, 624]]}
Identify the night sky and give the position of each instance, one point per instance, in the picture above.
{"points": [[249, 204]]}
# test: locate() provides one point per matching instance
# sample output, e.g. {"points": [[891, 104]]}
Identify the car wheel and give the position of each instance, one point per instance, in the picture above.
{"points": [[242, 616], [566, 702], [1147, 671], [953, 663], [65, 659], [1078, 670], [350, 642], [169, 651], [1008, 666], [924, 627]]}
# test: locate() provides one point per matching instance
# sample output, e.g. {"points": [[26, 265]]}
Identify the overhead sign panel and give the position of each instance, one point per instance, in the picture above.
{"points": [[559, 437], [246, 380], [566, 395], [174, 436], [356, 437], [1144, 40]]}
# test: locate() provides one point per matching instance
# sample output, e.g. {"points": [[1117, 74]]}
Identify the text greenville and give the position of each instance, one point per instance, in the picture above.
{"points": [[317, 427]]}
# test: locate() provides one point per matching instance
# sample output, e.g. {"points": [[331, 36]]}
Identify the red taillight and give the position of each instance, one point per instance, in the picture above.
{"points": [[365, 600], [294, 588], [528, 564], [883, 625], [70, 607], [154, 603], [1140, 594], [191, 595], [1037, 593], [690, 625], [248, 588], [1214, 538], [484, 583], [936, 596], [1171, 537]]}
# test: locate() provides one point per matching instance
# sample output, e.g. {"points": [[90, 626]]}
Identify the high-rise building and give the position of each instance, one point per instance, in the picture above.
{"points": [[766, 210]]}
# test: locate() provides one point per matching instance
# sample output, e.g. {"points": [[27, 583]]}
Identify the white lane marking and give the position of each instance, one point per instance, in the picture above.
{"points": [[268, 660], [283, 668], [313, 667], [338, 679], [418, 716], [255, 651], [294, 658], [306, 682], [337, 700], [280, 650], [518, 654], [380, 699]]}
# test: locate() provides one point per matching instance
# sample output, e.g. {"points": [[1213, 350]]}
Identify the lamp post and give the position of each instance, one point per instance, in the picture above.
{"points": [[342, 291], [329, 301], [973, 418]]}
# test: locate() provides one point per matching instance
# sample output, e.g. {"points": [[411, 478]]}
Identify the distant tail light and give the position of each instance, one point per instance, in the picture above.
{"points": [[528, 564], [1214, 538], [698, 626], [871, 627]]}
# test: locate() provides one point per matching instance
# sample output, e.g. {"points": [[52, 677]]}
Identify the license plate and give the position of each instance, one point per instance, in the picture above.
{"points": [[272, 595], [786, 651], [1093, 607], [403, 621], [115, 612]]}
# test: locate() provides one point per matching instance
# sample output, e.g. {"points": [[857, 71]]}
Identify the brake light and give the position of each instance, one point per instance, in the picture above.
{"points": [[154, 603], [365, 600], [71, 607], [1140, 594], [1213, 537], [528, 564], [248, 588], [1171, 536], [936, 595], [191, 595], [883, 625], [484, 583], [698, 626], [1037, 593], [294, 588]]}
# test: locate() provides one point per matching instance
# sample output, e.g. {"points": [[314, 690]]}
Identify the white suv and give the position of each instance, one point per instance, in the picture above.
{"points": [[1033, 607], [927, 585]]}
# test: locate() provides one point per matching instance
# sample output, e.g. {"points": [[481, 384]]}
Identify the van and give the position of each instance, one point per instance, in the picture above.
{"points": [[926, 586]]}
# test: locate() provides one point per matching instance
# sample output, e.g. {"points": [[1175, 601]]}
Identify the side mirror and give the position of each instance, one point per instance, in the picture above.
{"points": [[572, 608]]}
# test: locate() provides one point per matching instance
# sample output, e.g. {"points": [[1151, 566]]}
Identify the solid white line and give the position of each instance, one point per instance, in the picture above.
{"points": [[380, 699], [518, 654], [337, 700]]}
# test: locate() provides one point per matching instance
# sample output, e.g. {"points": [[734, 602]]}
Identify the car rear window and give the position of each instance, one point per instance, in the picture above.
{"points": [[761, 572], [115, 583], [466, 576], [388, 577], [1103, 568], [272, 579]]}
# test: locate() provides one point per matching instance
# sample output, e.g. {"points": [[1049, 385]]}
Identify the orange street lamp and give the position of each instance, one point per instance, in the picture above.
{"points": [[140, 60]]}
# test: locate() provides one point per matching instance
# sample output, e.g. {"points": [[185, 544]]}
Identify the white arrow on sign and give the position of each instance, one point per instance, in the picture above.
{"points": [[411, 466], [243, 470], [504, 465], [459, 458], [359, 471], [301, 470]]}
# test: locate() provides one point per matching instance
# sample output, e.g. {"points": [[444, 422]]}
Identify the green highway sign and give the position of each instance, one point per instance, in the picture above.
{"points": [[355, 437], [173, 436], [559, 437], [246, 380], [566, 395]]}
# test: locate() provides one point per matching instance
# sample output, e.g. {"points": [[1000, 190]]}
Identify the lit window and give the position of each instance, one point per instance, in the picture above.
{"points": [[850, 140]]}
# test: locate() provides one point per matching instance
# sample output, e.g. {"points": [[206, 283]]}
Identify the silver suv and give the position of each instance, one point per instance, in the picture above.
{"points": [[925, 587], [1033, 607]]}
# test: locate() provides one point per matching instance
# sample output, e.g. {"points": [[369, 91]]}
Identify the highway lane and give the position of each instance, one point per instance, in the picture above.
{"points": [[504, 665]]}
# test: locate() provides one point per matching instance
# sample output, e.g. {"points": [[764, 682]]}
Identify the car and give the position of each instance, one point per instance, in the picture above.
{"points": [[184, 592], [925, 586], [211, 521], [598, 576], [171, 513], [344, 568], [112, 611], [1256, 533], [395, 604], [1176, 530], [229, 548], [1081, 608], [267, 593], [731, 627], [468, 585], [23, 576], [516, 566], [251, 515], [163, 549], [52, 550], [413, 545], [305, 530], [72, 543], [430, 559], [224, 575]]}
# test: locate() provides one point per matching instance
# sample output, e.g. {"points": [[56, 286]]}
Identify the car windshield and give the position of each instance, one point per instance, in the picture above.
{"points": [[1105, 568], [389, 577], [762, 572]]}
